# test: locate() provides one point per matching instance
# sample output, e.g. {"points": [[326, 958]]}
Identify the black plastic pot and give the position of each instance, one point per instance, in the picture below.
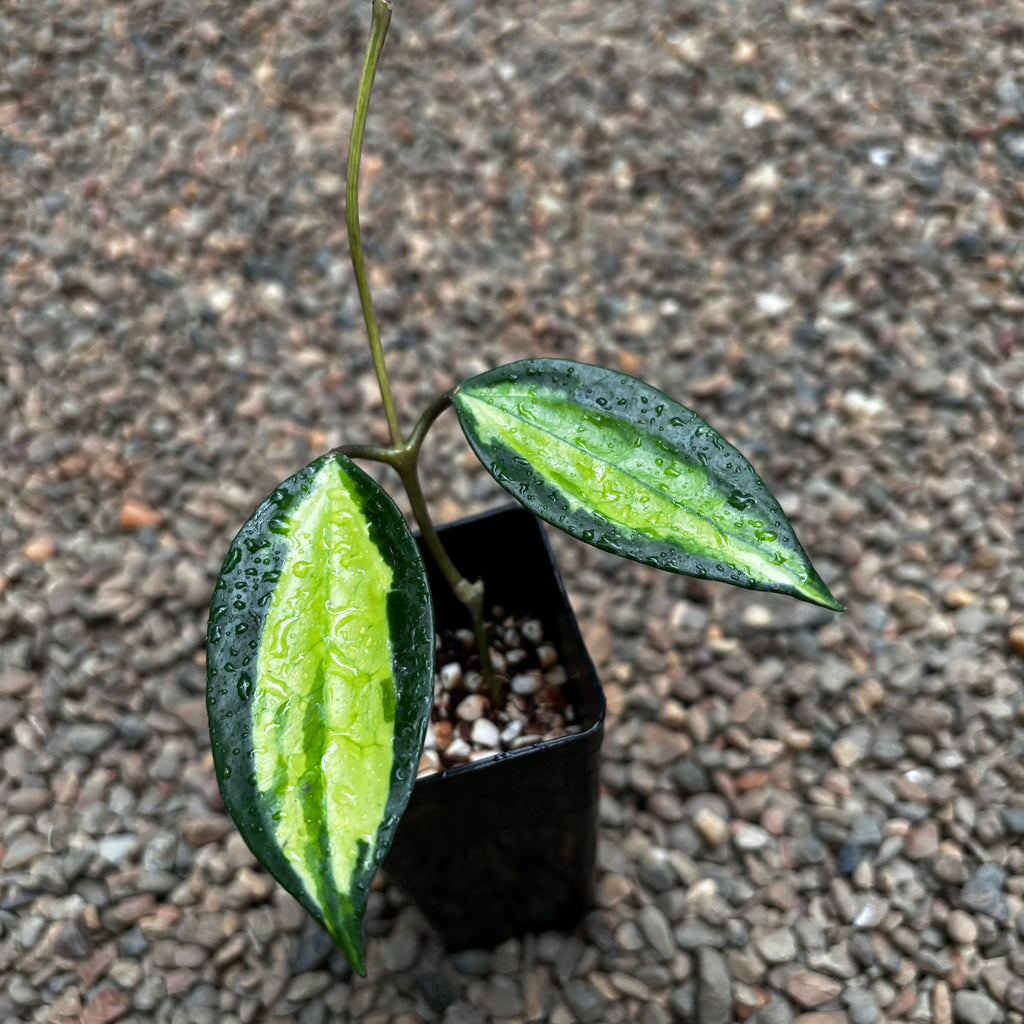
{"points": [[506, 846]]}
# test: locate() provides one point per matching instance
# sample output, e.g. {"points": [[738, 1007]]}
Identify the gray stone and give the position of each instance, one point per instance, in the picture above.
{"points": [[567, 957], [114, 849], [862, 1006], [1013, 820], [974, 1007], [438, 988], [656, 874], [655, 927], [88, 737], [585, 1001], [777, 947], [934, 961], [714, 988], [866, 831], [402, 949], [30, 929], [312, 950], [983, 893], [502, 997], [472, 961], [149, 994], [22, 849], [862, 951], [313, 1013], [307, 986], [776, 1011], [1013, 997], [682, 1000], [463, 1013], [692, 935], [22, 992]]}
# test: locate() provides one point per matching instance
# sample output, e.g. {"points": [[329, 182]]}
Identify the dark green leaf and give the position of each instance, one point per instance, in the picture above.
{"points": [[616, 463], [319, 684]]}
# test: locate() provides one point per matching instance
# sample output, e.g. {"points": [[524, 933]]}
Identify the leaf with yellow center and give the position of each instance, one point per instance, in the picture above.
{"points": [[319, 685]]}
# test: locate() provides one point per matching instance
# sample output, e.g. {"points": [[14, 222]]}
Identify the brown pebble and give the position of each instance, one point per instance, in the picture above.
{"points": [[902, 1004], [922, 841], [612, 889], [201, 831], [128, 911], [107, 1006], [179, 981], [135, 515], [93, 967], [810, 989], [443, 734], [39, 549], [1015, 638], [942, 1004]]}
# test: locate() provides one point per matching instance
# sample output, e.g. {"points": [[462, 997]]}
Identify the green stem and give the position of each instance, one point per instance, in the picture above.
{"points": [[378, 33], [470, 594], [402, 455]]}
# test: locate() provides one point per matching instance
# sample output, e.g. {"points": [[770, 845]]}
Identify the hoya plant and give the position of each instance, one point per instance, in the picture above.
{"points": [[320, 652]]}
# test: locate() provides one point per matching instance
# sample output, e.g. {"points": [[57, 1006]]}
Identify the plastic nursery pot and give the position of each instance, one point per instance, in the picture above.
{"points": [[505, 846]]}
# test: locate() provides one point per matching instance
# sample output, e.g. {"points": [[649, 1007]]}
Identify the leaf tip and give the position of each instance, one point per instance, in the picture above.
{"points": [[817, 593], [348, 937]]}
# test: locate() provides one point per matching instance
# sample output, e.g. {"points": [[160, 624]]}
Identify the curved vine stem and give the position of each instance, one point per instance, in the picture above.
{"points": [[378, 33], [402, 455]]}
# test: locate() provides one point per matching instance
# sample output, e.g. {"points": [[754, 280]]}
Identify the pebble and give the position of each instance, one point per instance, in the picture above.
{"points": [[137, 515], [88, 737], [775, 1011], [402, 950], [526, 684], [22, 850], [656, 930], [501, 997], [485, 733], [117, 848], [961, 928], [861, 1005], [692, 935], [811, 989], [971, 1007], [983, 893], [714, 1003], [205, 830], [105, 1007], [585, 1001], [778, 947], [922, 841], [471, 708], [713, 829]]}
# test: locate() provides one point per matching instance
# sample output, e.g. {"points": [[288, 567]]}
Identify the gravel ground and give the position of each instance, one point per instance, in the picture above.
{"points": [[803, 219]]}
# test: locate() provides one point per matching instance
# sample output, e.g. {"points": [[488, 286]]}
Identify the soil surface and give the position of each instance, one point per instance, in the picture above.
{"points": [[524, 703], [801, 219]]}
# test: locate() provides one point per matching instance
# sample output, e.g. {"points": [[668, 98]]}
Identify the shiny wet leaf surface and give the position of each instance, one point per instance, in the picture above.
{"points": [[618, 464]]}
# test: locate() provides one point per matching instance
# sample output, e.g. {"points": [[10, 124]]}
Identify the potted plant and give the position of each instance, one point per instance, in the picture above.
{"points": [[321, 640]]}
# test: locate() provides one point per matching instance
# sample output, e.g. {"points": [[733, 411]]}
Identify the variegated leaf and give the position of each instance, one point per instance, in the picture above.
{"points": [[616, 463], [319, 685]]}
